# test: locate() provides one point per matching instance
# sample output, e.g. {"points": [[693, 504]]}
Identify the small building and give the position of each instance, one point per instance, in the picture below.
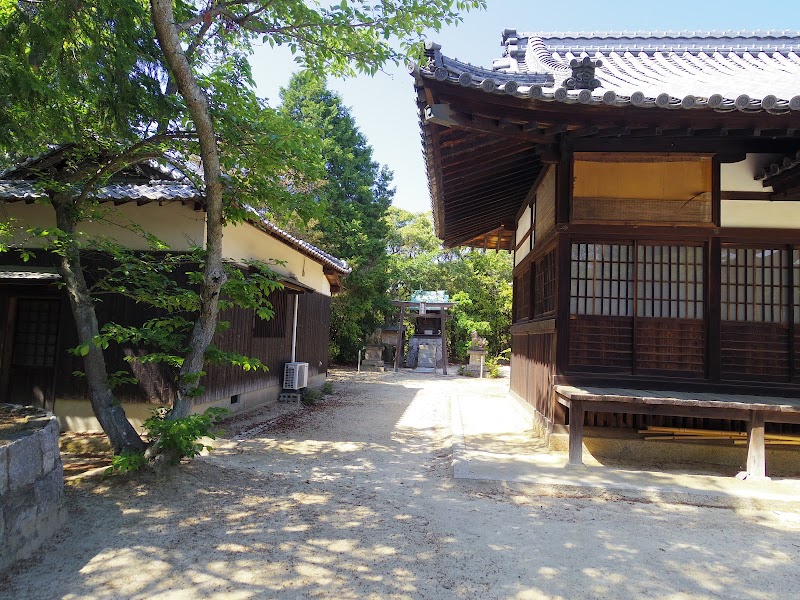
{"points": [[648, 186], [427, 346], [37, 327]]}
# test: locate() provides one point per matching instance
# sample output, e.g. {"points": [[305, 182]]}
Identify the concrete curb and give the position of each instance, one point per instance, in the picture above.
{"points": [[493, 468]]}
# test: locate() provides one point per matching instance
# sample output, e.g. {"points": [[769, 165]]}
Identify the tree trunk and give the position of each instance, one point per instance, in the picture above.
{"points": [[107, 409], [214, 274]]}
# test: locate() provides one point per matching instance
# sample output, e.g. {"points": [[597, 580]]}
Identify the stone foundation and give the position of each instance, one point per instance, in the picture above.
{"points": [[413, 349], [31, 484]]}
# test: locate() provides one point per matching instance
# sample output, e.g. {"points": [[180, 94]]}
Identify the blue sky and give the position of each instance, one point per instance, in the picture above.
{"points": [[384, 106]]}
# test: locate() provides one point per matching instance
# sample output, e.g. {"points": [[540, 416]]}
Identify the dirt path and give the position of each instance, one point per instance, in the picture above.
{"points": [[354, 499]]}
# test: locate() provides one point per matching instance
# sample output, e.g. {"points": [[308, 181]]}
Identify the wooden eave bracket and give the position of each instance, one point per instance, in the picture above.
{"points": [[443, 114]]}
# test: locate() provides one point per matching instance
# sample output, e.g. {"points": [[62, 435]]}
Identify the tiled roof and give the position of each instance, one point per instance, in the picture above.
{"points": [[15, 189], [170, 186], [268, 226], [27, 274], [787, 163], [746, 71]]}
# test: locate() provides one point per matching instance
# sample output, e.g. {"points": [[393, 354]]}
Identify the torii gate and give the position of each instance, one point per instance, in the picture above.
{"points": [[425, 303]]}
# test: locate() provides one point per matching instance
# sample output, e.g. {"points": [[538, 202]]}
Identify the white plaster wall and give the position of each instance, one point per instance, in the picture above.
{"points": [[523, 227], [77, 415], [760, 214], [244, 241], [179, 226], [739, 176]]}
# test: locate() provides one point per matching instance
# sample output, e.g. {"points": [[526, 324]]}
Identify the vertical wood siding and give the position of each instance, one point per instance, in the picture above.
{"points": [[532, 368], [313, 332]]}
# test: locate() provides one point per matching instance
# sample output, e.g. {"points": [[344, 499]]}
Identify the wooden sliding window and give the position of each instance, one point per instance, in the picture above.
{"points": [[755, 284], [669, 281], [602, 279]]}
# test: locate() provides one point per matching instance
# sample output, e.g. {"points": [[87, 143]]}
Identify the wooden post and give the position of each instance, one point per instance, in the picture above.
{"points": [[444, 340], [575, 433], [756, 450], [399, 350], [713, 277]]}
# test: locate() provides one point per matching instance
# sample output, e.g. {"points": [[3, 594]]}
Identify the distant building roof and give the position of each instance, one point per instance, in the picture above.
{"points": [[726, 70], [429, 296], [157, 190]]}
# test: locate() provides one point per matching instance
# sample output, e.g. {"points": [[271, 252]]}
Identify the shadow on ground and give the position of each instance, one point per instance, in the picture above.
{"points": [[355, 500]]}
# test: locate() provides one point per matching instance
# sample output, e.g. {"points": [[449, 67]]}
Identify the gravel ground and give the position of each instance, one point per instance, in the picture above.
{"points": [[354, 499]]}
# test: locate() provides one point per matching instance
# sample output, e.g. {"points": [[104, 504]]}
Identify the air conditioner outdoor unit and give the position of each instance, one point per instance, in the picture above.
{"points": [[295, 376]]}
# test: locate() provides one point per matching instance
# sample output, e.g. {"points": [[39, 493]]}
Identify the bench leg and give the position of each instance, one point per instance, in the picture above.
{"points": [[575, 435], [756, 449]]}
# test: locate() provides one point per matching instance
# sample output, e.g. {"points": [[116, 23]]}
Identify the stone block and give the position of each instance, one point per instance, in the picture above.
{"points": [[475, 356], [49, 491], [24, 524], [24, 462], [3, 470], [48, 437], [427, 356], [374, 353], [49, 461]]}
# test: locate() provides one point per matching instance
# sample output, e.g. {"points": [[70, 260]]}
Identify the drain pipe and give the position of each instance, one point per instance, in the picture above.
{"points": [[294, 327]]}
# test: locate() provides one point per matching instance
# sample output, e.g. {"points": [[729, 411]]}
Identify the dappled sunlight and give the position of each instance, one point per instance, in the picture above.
{"points": [[358, 502]]}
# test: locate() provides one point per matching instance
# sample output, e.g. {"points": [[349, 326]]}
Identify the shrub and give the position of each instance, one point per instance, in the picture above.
{"points": [[327, 388], [177, 438], [311, 396], [504, 358], [491, 368], [125, 463]]}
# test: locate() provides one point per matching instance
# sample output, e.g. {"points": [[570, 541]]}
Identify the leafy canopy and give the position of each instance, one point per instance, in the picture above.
{"points": [[478, 282]]}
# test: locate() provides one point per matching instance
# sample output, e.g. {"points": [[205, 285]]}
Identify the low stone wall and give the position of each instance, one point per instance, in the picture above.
{"points": [[31, 481]]}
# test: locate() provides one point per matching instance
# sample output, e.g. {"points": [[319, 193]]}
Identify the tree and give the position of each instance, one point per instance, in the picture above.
{"points": [[91, 76], [478, 282], [355, 196]]}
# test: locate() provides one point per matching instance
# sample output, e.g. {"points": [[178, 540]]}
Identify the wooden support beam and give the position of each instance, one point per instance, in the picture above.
{"points": [[584, 132], [756, 449], [576, 413], [442, 114], [443, 318], [556, 129], [400, 341]]}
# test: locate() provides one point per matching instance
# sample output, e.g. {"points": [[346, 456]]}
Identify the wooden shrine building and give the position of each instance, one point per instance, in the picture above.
{"points": [[648, 185], [429, 311]]}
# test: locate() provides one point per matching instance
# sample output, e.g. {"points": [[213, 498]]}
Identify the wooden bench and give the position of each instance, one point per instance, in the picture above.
{"points": [[755, 410]]}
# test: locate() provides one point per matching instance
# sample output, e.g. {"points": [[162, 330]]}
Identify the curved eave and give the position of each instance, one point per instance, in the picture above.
{"points": [[484, 142], [543, 87]]}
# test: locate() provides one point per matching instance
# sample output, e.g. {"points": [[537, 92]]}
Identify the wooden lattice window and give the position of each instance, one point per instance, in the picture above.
{"points": [[755, 284], [602, 280], [525, 296], [544, 290], [276, 326], [36, 333], [670, 281], [796, 280]]}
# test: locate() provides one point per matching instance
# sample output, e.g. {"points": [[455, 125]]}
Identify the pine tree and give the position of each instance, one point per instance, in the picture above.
{"points": [[354, 200]]}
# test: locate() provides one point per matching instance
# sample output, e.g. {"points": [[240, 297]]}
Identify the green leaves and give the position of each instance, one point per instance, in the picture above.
{"points": [[355, 195], [178, 437]]}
